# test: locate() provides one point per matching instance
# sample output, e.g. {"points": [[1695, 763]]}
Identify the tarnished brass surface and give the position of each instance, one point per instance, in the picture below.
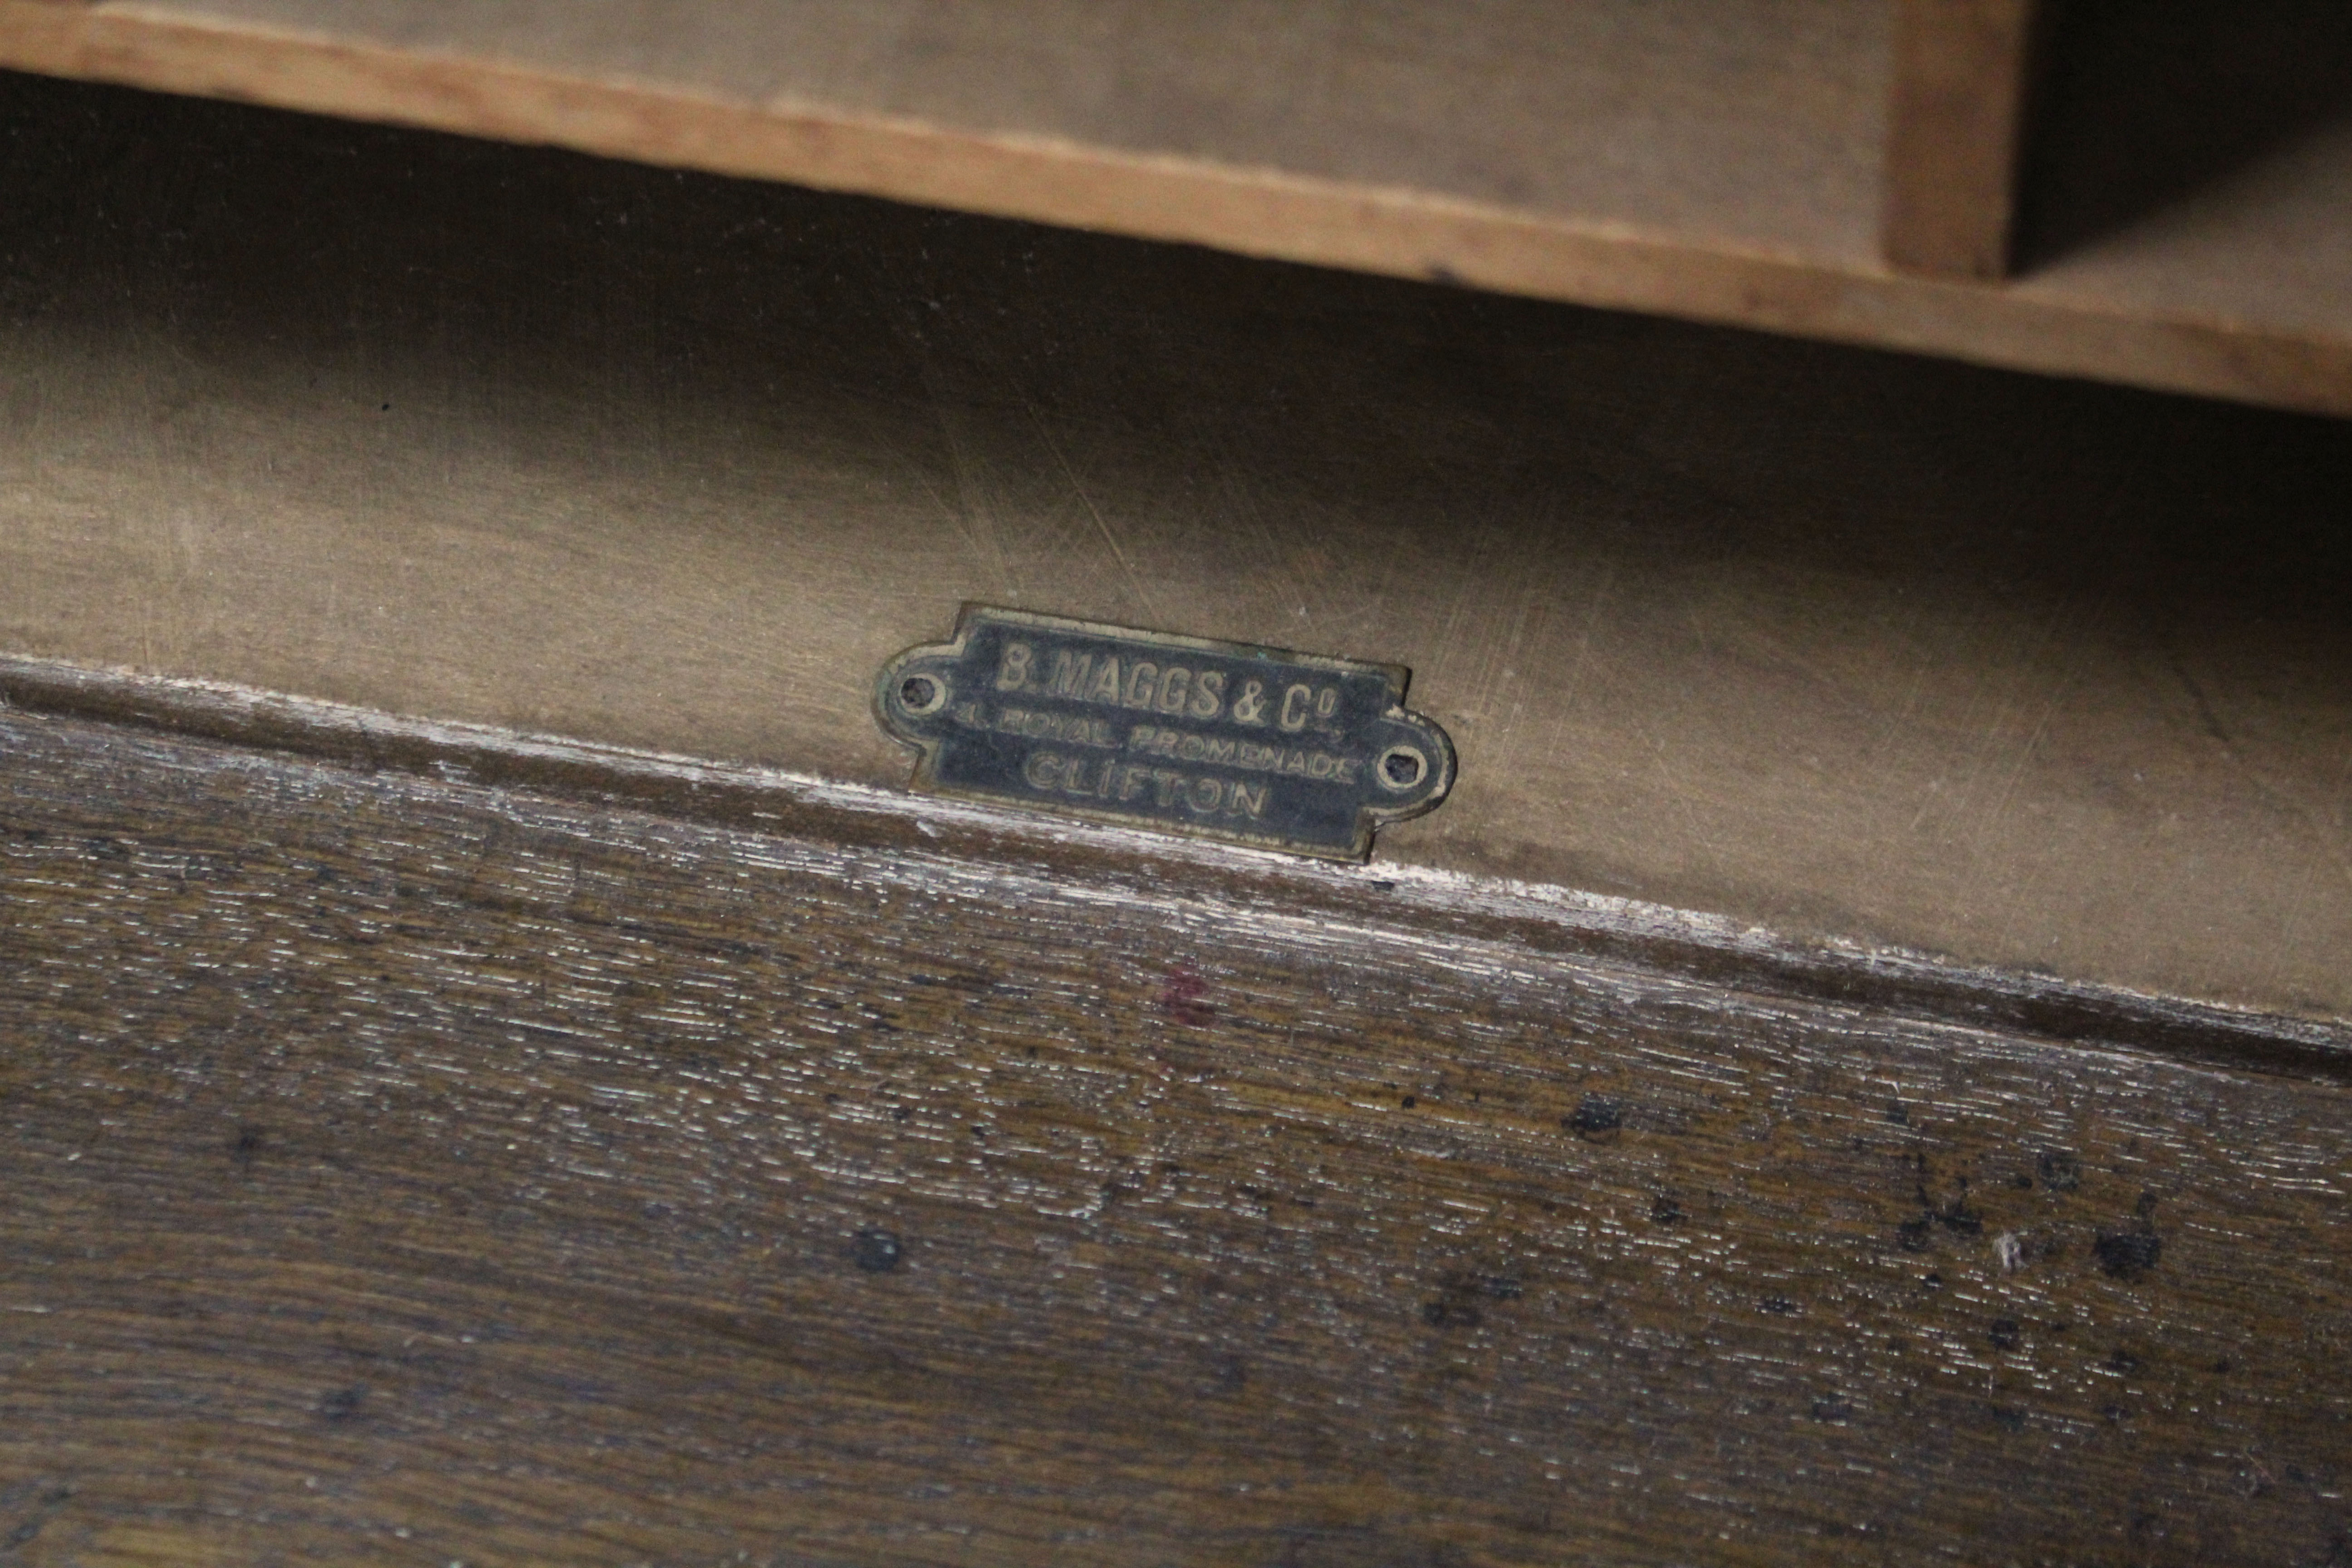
{"points": [[1217, 739]]}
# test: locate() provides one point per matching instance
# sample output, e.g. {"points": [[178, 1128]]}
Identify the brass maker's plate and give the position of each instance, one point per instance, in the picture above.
{"points": [[1219, 739]]}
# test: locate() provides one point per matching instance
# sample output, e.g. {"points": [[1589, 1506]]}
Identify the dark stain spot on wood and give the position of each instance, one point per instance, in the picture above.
{"points": [[1663, 1210], [2060, 1170], [246, 1147], [1898, 1113], [2007, 1418], [1833, 1409], [2006, 1333], [1409, 1101], [1492, 1286], [1597, 1117], [2123, 1361], [1457, 1305], [1779, 1305], [343, 1404], [45, 1509], [2127, 1253], [2022, 1182], [876, 1251], [1449, 1313]]}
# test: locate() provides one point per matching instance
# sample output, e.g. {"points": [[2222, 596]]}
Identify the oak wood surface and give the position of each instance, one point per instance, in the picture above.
{"points": [[1843, 646], [405, 1171], [1705, 158]]}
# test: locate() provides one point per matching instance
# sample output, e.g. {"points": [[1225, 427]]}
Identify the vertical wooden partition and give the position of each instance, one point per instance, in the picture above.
{"points": [[1963, 82]]}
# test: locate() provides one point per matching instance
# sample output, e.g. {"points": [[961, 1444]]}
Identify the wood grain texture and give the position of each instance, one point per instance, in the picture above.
{"points": [[1963, 78], [1692, 945], [1845, 647], [402, 1170], [1703, 158]]}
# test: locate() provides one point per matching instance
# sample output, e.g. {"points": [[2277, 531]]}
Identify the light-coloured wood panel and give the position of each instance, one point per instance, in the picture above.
{"points": [[1750, 125], [1716, 161], [1857, 648]]}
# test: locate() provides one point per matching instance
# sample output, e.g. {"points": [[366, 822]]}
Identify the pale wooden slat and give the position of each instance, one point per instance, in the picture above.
{"points": [[1712, 160]]}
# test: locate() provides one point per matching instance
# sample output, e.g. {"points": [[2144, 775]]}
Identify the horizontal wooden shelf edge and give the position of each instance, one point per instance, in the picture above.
{"points": [[1700, 947], [2052, 326]]}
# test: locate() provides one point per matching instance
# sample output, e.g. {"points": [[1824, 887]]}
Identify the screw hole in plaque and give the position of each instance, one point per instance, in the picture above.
{"points": [[923, 694], [1401, 767]]}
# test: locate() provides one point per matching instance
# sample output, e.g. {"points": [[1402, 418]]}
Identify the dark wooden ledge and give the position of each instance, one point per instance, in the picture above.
{"points": [[404, 1169], [1700, 946]]}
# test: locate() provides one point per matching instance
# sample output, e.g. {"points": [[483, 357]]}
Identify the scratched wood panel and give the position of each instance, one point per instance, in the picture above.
{"points": [[1843, 645], [404, 1170], [1716, 159]]}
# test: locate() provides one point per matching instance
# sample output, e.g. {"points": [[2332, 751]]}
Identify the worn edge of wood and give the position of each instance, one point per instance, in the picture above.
{"points": [[1551, 920], [1253, 211]]}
